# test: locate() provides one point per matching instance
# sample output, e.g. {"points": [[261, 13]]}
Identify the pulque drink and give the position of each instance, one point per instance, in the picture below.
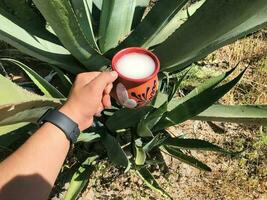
{"points": [[138, 82], [136, 65]]}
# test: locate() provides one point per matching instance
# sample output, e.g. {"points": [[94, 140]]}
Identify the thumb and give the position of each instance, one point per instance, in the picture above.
{"points": [[103, 79]]}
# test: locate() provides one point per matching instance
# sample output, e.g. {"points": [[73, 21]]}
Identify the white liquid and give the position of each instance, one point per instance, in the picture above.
{"points": [[136, 65]]}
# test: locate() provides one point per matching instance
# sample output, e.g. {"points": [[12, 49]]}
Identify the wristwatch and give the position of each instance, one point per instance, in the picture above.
{"points": [[63, 122]]}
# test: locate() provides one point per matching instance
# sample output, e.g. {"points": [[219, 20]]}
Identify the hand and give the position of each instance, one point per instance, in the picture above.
{"points": [[89, 96]]}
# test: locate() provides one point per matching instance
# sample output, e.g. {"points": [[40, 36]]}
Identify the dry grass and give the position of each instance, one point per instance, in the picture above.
{"points": [[251, 52], [249, 49]]}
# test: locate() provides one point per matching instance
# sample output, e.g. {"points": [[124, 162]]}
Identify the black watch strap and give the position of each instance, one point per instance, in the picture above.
{"points": [[63, 122]]}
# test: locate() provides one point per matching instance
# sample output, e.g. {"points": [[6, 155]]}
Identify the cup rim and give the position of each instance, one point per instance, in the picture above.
{"points": [[125, 51]]}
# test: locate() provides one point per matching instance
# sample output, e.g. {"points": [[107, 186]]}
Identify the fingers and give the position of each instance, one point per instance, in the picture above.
{"points": [[103, 79], [99, 85], [108, 88], [106, 101], [85, 78], [99, 110]]}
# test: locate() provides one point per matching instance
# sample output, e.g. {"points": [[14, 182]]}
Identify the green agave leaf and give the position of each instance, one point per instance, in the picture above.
{"points": [[148, 121], [215, 23], [194, 144], [9, 128], [29, 111], [140, 157], [151, 182], [48, 89], [126, 118], [36, 42], [190, 160], [115, 153], [155, 142], [175, 23], [177, 85], [143, 130], [61, 17], [18, 105], [196, 103], [83, 9], [98, 3], [14, 133], [92, 134], [174, 88], [11, 133], [253, 114], [152, 24], [66, 82], [139, 11], [212, 82], [153, 117], [115, 22], [160, 99], [23, 11], [88, 137], [12, 93], [95, 14], [80, 178]]}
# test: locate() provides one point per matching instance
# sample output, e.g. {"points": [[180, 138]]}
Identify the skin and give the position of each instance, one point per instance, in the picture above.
{"points": [[31, 171]]}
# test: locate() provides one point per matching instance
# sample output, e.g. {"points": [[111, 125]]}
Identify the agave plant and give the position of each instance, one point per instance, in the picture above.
{"points": [[83, 35]]}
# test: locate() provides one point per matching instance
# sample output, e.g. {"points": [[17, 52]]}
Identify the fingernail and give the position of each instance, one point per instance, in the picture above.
{"points": [[114, 74]]}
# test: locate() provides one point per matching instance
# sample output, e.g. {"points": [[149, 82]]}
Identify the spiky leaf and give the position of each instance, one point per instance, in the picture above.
{"points": [[23, 11], [18, 105], [36, 42], [12, 133], [196, 103], [195, 144], [151, 182], [140, 157], [181, 17], [252, 114], [115, 22], [139, 11], [126, 118], [83, 9], [152, 24], [80, 178], [66, 82], [48, 89], [214, 24], [158, 140], [115, 153], [190, 160], [61, 17]]}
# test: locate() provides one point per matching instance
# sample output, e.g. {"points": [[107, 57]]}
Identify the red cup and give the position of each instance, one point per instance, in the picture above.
{"points": [[132, 93]]}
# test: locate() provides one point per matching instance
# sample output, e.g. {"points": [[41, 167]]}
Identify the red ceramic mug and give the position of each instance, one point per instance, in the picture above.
{"points": [[130, 92]]}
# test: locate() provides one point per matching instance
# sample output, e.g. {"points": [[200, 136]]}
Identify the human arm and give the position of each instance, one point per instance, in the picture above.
{"points": [[30, 172]]}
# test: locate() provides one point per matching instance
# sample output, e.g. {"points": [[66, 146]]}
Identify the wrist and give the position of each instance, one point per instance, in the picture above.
{"points": [[82, 121], [69, 127]]}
